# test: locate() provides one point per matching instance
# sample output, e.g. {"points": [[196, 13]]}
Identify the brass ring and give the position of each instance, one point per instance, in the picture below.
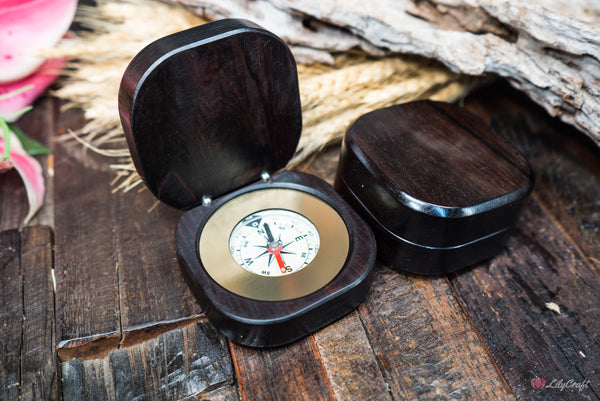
{"points": [[223, 269]]}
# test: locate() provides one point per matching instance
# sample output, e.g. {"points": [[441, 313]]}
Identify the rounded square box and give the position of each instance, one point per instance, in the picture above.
{"points": [[438, 187]]}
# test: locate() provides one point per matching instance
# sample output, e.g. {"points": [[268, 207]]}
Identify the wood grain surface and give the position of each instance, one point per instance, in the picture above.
{"points": [[424, 343], [220, 114], [12, 312], [28, 370], [294, 372], [115, 261], [125, 325], [185, 362], [349, 361], [439, 187], [436, 153], [86, 263]]}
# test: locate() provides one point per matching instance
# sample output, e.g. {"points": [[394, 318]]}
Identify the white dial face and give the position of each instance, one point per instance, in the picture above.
{"points": [[274, 242]]}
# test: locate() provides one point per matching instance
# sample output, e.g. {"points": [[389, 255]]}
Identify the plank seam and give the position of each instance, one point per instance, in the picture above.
{"points": [[22, 340], [234, 375], [57, 369], [236, 371], [116, 242], [377, 359], [120, 317], [329, 386], [479, 336], [568, 236]]}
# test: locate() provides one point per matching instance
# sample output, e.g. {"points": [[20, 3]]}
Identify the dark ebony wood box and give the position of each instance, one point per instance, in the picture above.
{"points": [[439, 188], [211, 114]]}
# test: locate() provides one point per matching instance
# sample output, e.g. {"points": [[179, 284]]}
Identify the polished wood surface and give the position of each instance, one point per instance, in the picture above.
{"points": [[221, 103], [126, 325], [437, 153], [274, 323], [439, 187]]}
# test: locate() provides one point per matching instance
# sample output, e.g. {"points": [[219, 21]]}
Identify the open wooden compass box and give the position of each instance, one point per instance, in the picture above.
{"points": [[440, 189], [209, 113]]}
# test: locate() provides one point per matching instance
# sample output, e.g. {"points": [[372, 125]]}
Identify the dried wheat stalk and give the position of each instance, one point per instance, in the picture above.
{"points": [[332, 96]]}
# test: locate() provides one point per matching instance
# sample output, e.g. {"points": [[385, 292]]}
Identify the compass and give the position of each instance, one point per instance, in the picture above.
{"points": [[262, 240], [209, 113]]}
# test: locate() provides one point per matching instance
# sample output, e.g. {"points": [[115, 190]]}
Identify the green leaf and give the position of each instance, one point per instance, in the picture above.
{"points": [[31, 146], [6, 132]]}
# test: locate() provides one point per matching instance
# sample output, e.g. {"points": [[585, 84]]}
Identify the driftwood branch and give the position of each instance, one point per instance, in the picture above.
{"points": [[549, 49]]}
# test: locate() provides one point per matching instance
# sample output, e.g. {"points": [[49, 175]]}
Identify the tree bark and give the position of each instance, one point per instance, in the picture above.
{"points": [[549, 49]]}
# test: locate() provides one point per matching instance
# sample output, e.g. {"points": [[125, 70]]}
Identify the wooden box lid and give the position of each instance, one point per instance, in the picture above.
{"points": [[433, 174], [207, 110]]}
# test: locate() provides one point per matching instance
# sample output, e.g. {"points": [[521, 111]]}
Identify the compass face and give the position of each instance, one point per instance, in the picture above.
{"points": [[274, 242]]}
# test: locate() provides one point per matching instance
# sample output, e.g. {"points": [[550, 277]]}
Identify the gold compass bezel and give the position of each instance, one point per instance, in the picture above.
{"points": [[213, 246]]}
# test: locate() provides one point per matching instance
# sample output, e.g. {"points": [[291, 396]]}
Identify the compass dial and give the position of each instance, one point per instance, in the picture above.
{"points": [[274, 242]]}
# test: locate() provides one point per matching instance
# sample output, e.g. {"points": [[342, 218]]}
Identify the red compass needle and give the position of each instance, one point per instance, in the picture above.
{"points": [[277, 252], [275, 248]]}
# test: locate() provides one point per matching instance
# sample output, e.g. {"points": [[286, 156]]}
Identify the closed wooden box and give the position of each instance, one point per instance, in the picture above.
{"points": [[438, 187]]}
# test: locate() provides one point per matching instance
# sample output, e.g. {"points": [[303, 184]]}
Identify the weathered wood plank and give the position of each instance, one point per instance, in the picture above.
{"points": [[28, 368], [226, 393], [353, 366], [39, 376], [115, 260], [424, 343], [40, 124], [350, 362], [13, 200], [191, 361], [292, 372], [153, 293], [11, 314], [566, 163], [87, 297], [537, 308], [547, 267]]}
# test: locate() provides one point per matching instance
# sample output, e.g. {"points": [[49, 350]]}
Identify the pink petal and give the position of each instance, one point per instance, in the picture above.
{"points": [[5, 165], [38, 81], [28, 26], [30, 171]]}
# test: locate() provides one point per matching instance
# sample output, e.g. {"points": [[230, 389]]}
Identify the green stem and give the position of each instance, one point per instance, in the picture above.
{"points": [[6, 130]]}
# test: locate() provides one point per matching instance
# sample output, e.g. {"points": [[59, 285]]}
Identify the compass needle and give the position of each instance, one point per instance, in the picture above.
{"points": [[285, 232]]}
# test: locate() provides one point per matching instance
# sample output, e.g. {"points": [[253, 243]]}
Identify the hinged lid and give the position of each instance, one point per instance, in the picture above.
{"points": [[207, 110]]}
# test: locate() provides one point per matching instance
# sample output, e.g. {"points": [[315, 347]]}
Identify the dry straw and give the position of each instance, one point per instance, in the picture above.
{"points": [[332, 96]]}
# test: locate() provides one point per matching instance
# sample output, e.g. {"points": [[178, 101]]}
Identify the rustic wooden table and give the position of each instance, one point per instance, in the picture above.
{"points": [[93, 305]]}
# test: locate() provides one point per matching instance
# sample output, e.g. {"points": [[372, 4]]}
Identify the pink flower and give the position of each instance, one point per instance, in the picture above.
{"points": [[26, 27], [28, 168], [26, 90]]}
